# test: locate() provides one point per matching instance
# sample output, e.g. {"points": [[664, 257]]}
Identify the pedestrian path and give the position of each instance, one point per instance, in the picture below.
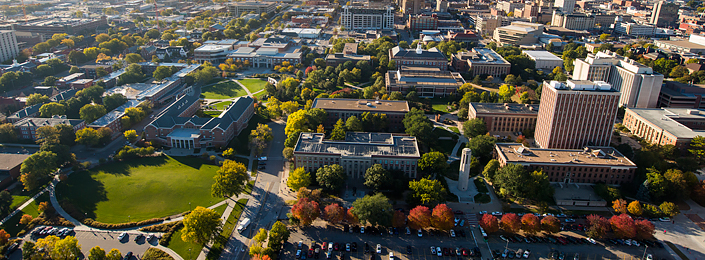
{"points": [[21, 207]]}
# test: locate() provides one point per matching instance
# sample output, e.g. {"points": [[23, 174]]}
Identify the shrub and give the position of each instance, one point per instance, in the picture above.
{"points": [[164, 241], [101, 225], [154, 253], [164, 227], [128, 152]]}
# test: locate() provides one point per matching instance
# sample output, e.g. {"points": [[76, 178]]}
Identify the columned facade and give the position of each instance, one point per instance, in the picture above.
{"points": [[182, 143]]}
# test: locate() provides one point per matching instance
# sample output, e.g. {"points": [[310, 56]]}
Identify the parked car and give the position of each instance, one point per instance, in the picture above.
{"points": [[122, 236], [664, 219], [379, 248], [452, 233], [527, 253], [420, 233], [439, 252]]}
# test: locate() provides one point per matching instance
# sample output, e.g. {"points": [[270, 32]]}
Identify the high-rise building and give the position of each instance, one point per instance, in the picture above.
{"points": [[664, 14], [8, 45], [411, 6], [518, 33], [566, 6], [640, 85], [367, 18], [441, 5], [576, 114]]}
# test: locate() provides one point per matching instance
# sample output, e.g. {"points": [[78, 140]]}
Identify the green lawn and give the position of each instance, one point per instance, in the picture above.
{"points": [[253, 85], [239, 143], [259, 95], [187, 250], [220, 209], [17, 200], [480, 185], [211, 113], [141, 189], [13, 226], [222, 105], [230, 224], [439, 104], [223, 90], [455, 129]]}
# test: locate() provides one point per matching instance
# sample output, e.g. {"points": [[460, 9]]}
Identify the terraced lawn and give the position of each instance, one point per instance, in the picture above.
{"points": [[223, 90], [253, 85]]}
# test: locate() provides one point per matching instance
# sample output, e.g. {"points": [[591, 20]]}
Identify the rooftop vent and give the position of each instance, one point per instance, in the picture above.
{"points": [[693, 112]]}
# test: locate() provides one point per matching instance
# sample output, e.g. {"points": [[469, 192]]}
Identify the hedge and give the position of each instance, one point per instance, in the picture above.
{"points": [[164, 241], [164, 227], [101, 225]]}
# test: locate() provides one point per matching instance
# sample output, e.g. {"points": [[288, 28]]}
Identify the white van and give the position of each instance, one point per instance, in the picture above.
{"points": [[243, 225]]}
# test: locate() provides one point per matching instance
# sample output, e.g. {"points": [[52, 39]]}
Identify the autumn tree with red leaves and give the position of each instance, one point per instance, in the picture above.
{"points": [[420, 217], [334, 213], [644, 229], [306, 211], [489, 223], [530, 224], [351, 217], [442, 217], [623, 226], [550, 224], [511, 223], [398, 219], [597, 226]]}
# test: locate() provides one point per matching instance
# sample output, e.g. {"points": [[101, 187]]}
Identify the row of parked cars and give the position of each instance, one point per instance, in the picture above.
{"points": [[149, 238], [458, 251], [547, 239], [49, 230]]}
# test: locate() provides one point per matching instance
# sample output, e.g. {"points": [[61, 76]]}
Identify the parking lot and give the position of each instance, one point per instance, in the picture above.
{"points": [[421, 246], [109, 240]]}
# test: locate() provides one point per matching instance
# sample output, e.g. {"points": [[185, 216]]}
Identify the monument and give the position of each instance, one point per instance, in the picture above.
{"points": [[464, 174]]}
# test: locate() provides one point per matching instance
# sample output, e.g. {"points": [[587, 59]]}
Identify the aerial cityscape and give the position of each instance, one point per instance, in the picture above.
{"points": [[360, 129]]}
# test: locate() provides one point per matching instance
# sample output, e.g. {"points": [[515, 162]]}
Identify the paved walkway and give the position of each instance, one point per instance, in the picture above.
{"points": [[21, 207], [356, 86], [250, 94]]}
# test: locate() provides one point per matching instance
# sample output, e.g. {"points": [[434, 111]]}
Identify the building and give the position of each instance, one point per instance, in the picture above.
{"points": [[156, 92], [566, 6], [664, 14], [349, 54], [65, 81], [422, 22], [634, 29], [268, 52], [303, 33], [358, 152], [486, 24], [176, 127], [27, 127], [112, 119], [530, 10], [237, 8], [441, 5], [367, 18], [428, 83], [662, 126], [575, 114], [339, 108], [694, 44], [90, 70], [518, 33], [640, 85], [81, 83], [8, 45], [573, 21], [481, 61], [544, 59], [509, 6], [411, 6], [508, 117], [10, 165], [211, 53], [680, 95], [29, 111], [71, 26], [431, 58], [589, 164]]}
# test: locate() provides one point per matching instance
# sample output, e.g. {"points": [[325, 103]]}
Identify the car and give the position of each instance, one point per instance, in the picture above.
{"points": [[391, 255], [317, 253], [457, 251], [510, 254], [592, 241], [452, 233], [576, 256], [561, 256], [379, 248], [408, 231], [346, 228], [664, 219], [462, 223], [138, 237], [520, 252], [298, 253], [635, 243], [649, 257], [367, 248], [420, 233], [150, 237], [505, 253], [408, 250], [476, 252], [456, 220], [261, 167], [347, 247], [628, 242], [299, 245], [438, 251], [336, 246], [482, 212], [496, 253], [569, 220], [465, 252], [329, 255], [128, 255], [122, 236], [433, 250], [324, 246], [310, 253], [527, 253], [354, 246], [362, 230], [496, 213]]}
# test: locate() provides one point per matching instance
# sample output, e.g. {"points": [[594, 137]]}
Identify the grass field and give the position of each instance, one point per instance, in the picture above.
{"points": [[230, 224], [141, 189], [187, 250], [439, 104], [13, 226], [253, 85], [223, 90], [211, 113], [222, 105]]}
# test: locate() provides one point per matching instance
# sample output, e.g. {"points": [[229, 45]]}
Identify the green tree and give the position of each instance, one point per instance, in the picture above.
{"points": [[91, 112], [426, 192], [8, 133], [74, 69], [66, 249], [131, 135], [433, 162], [133, 58], [88, 136], [201, 225], [298, 178], [353, 124], [482, 146], [338, 132], [331, 177], [418, 125], [669, 209], [230, 179], [474, 127], [51, 109], [259, 137], [5, 202], [377, 177], [114, 254], [697, 147], [36, 166], [113, 101], [96, 253], [36, 98], [161, 72], [375, 210], [491, 169], [604, 37]]}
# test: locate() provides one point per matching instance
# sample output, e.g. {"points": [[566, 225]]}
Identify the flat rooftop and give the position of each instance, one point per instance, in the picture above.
{"points": [[10, 160], [591, 156], [361, 105], [360, 144], [541, 55], [684, 44], [508, 108], [485, 55], [665, 118]]}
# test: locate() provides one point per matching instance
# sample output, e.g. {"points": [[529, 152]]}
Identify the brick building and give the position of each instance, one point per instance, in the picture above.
{"points": [[10, 165], [27, 127], [662, 126], [508, 117], [432, 58], [339, 108]]}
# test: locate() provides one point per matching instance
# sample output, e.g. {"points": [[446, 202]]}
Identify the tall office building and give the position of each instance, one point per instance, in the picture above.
{"points": [[664, 14], [576, 114], [441, 5], [8, 45], [411, 6], [367, 18], [566, 6], [640, 85]]}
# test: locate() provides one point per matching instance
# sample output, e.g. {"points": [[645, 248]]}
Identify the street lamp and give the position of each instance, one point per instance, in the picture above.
{"points": [[644, 256]]}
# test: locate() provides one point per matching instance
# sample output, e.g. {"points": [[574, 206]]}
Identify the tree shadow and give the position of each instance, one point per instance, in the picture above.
{"points": [[80, 195], [124, 167], [190, 161]]}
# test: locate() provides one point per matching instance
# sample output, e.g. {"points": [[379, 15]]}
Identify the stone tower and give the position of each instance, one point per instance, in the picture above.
{"points": [[464, 174]]}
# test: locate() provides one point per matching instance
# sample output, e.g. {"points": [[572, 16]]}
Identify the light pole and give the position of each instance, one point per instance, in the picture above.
{"points": [[644, 256]]}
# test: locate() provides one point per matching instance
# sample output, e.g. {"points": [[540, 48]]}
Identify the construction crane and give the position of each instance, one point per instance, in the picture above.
{"points": [[156, 12], [24, 11]]}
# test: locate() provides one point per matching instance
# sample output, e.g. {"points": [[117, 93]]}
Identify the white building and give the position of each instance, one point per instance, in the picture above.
{"points": [[8, 45], [633, 29], [211, 53], [574, 21], [639, 85], [508, 7], [367, 18], [518, 33], [544, 59], [566, 6], [302, 32]]}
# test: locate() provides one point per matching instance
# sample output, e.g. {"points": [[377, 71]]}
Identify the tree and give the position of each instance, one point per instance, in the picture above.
{"points": [[351, 218], [678, 183], [375, 210], [201, 225], [113, 101], [511, 223], [114, 254], [261, 236], [377, 177], [131, 135], [161, 72], [91, 112], [620, 206], [288, 153], [5, 202], [434, 162], [259, 137], [417, 124], [334, 213], [474, 127], [338, 130], [353, 124], [331, 177], [550, 225], [634, 208], [491, 169], [8, 133], [87, 136], [306, 211], [51, 109], [36, 166], [133, 58], [420, 217], [489, 223], [36, 98], [426, 192], [597, 226], [96, 253], [74, 69], [506, 92], [530, 224], [26, 219], [399, 219], [482, 145], [230, 179], [644, 229], [66, 249], [278, 235], [442, 217], [298, 178], [623, 226], [669, 209]]}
